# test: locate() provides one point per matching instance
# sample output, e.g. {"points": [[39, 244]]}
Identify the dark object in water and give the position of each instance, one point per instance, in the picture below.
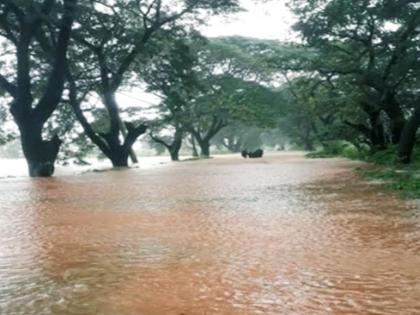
{"points": [[252, 155]]}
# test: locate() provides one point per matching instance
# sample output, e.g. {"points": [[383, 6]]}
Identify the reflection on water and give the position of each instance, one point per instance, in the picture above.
{"points": [[282, 235]]}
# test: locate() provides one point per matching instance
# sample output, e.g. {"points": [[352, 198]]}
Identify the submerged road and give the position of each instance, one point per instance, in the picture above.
{"points": [[279, 235]]}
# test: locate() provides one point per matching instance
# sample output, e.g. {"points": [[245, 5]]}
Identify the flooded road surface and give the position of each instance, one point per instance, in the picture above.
{"points": [[281, 235]]}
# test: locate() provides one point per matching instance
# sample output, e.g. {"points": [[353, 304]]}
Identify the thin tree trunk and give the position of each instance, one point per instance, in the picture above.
{"points": [[124, 132], [176, 145], [194, 147]]}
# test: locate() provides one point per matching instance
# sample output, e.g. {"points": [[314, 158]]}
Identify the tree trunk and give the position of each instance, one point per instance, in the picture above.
{"points": [[397, 118], [119, 157], [308, 145], [194, 147], [133, 155], [377, 134], [174, 154], [176, 145], [408, 137], [204, 148], [40, 154]]}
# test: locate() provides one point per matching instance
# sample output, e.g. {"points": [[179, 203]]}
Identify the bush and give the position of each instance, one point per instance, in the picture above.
{"points": [[334, 149], [382, 157], [402, 178], [406, 181]]}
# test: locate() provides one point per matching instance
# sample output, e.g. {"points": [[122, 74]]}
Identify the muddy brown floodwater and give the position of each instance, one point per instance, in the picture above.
{"points": [[280, 235]]}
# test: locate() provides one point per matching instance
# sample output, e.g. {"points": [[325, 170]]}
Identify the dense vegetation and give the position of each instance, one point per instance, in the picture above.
{"points": [[363, 82], [348, 85]]}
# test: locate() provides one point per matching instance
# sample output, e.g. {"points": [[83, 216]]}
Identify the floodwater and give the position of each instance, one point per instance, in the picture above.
{"points": [[280, 235], [15, 168]]}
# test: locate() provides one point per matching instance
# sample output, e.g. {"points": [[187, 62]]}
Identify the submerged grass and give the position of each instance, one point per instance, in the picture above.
{"points": [[402, 178]]}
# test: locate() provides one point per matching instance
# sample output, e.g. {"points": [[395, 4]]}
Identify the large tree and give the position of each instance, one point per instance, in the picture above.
{"points": [[34, 79]]}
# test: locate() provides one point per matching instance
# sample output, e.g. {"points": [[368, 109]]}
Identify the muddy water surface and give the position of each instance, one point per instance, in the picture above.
{"points": [[281, 235]]}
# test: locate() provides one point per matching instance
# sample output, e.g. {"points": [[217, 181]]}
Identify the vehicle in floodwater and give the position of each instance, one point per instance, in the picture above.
{"points": [[252, 154]]}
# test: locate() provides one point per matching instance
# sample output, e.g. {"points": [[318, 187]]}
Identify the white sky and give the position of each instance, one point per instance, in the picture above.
{"points": [[269, 20]]}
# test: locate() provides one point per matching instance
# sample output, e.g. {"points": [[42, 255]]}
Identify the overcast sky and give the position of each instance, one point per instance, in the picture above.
{"points": [[270, 20]]}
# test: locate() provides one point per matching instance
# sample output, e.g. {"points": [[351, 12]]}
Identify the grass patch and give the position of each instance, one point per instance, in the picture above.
{"points": [[405, 180], [402, 178]]}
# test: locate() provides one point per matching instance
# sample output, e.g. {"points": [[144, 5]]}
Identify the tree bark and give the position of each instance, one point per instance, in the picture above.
{"points": [[124, 132], [119, 157], [39, 154], [377, 132], [204, 148], [176, 145], [397, 118], [194, 147], [174, 155], [408, 137]]}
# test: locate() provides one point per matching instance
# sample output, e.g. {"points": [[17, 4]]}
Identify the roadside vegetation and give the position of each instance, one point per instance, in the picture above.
{"points": [[384, 166]]}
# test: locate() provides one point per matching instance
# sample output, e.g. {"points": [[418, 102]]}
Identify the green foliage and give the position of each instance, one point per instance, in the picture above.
{"points": [[384, 168], [351, 152], [364, 55], [404, 180], [386, 157], [337, 149]]}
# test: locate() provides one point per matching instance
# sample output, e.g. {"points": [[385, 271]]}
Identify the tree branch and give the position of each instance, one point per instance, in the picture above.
{"points": [[8, 87], [75, 104], [133, 134], [53, 92]]}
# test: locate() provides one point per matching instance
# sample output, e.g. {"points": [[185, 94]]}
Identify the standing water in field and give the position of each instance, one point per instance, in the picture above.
{"points": [[279, 235]]}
